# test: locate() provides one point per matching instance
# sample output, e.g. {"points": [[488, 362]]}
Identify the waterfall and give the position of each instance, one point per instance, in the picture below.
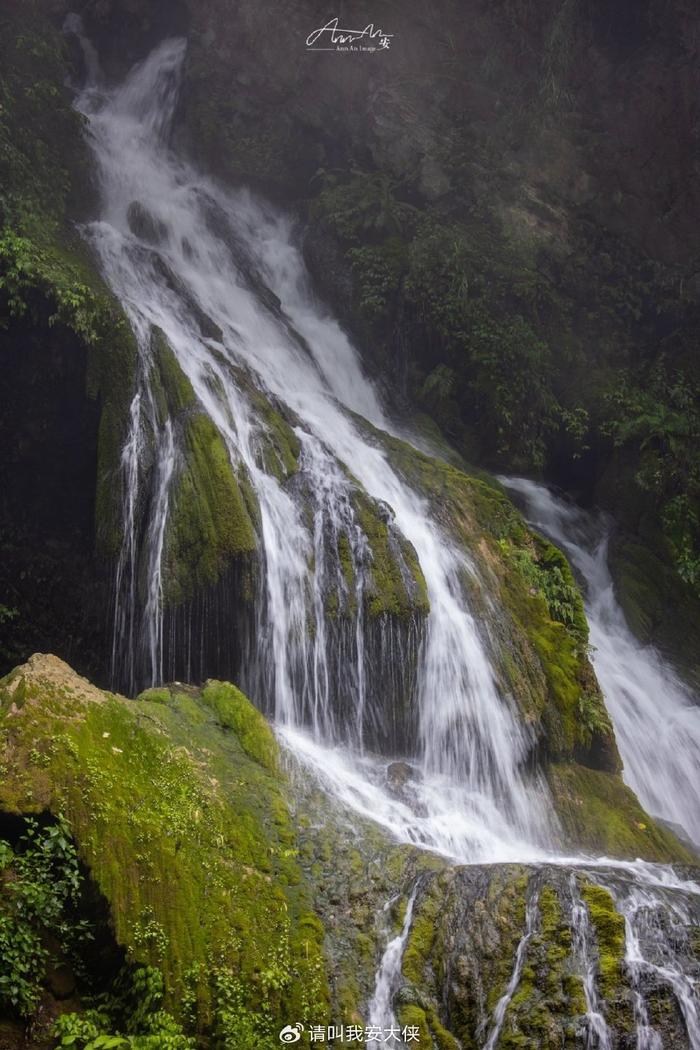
{"points": [[219, 275], [656, 945], [655, 716]]}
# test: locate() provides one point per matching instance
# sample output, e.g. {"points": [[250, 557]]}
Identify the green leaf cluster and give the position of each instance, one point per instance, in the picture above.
{"points": [[41, 879]]}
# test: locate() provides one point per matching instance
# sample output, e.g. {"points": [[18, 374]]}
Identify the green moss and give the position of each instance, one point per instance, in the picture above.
{"points": [[421, 936], [189, 838], [431, 1033], [347, 566], [415, 1016], [548, 1000], [609, 928], [209, 522], [234, 711], [601, 814], [156, 695], [172, 389], [397, 584], [281, 445]]}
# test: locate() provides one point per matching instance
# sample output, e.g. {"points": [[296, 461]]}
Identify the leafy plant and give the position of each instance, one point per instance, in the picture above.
{"points": [[364, 206], [131, 1017], [41, 881]]}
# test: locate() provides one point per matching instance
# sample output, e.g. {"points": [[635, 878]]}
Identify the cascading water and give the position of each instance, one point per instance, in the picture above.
{"points": [[656, 719], [219, 276], [659, 919], [229, 259], [388, 978]]}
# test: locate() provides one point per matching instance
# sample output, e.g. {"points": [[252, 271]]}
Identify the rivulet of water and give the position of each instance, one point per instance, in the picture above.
{"points": [[531, 919], [598, 1034], [380, 1012]]}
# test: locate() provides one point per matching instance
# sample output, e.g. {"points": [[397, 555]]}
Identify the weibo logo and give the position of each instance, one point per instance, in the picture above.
{"points": [[291, 1033]]}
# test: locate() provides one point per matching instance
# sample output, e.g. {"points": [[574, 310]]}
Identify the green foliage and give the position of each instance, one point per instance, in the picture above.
{"points": [[661, 421], [40, 133], [378, 270], [27, 267], [46, 275], [546, 571], [41, 879], [475, 310], [129, 1017], [364, 206], [478, 307]]}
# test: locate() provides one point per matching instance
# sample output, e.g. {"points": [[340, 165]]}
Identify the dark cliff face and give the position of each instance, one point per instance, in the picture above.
{"points": [[49, 577], [547, 109]]}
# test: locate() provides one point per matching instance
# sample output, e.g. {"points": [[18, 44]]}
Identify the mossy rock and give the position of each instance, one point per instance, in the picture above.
{"points": [[599, 813], [397, 586], [480, 920], [537, 629], [183, 824], [609, 928], [212, 510], [234, 711]]}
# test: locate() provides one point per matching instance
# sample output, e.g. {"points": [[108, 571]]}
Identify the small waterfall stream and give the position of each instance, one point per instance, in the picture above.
{"points": [[656, 719], [655, 938], [531, 920], [380, 1011], [598, 1035]]}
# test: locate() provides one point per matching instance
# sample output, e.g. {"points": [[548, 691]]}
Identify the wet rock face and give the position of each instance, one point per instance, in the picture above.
{"points": [[507, 956]]}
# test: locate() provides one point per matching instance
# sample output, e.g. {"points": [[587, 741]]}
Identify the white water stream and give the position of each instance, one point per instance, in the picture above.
{"points": [[656, 719], [380, 1011], [598, 1035]]}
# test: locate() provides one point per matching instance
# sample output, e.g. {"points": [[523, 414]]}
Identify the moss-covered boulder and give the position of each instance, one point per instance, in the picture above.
{"points": [[177, 804]]}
